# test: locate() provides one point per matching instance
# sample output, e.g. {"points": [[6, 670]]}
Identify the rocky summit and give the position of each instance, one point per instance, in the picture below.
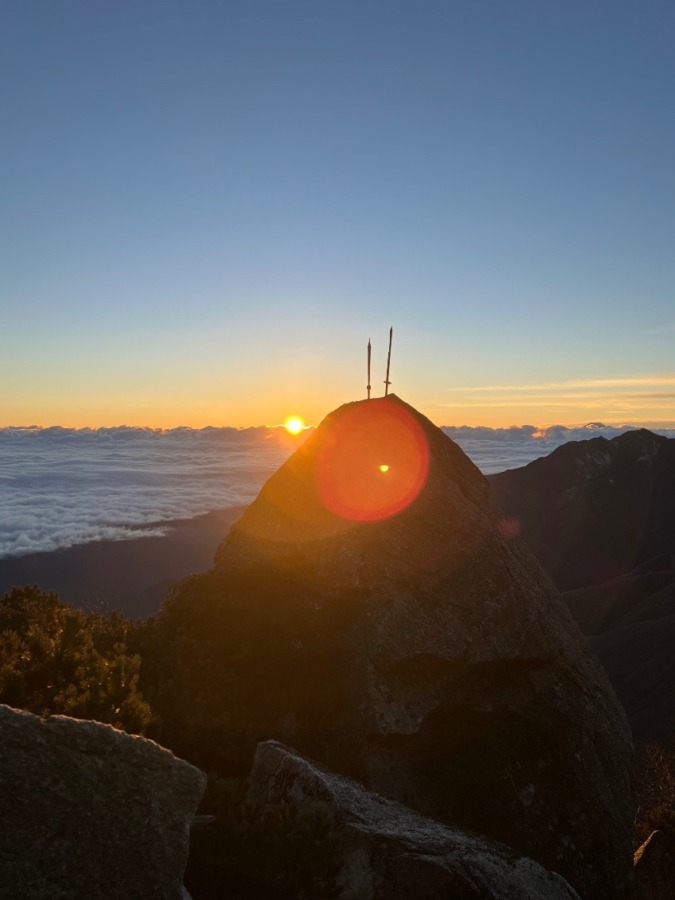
{"points": [[398, 631]]}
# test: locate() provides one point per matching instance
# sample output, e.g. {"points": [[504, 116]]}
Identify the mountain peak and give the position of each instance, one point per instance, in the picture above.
{"points": [[363, 493], [371, 609]]}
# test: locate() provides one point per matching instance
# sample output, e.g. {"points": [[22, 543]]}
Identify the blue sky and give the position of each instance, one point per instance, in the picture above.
{"points": [[207, 208]]}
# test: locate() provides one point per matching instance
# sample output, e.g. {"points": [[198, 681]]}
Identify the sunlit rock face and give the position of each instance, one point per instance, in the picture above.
{"points": [[310, 507], [453, 677]]}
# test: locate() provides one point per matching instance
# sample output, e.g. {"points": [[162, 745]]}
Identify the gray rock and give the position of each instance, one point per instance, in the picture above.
{"points": [[459, 683], [88, 811], [389, 852]]}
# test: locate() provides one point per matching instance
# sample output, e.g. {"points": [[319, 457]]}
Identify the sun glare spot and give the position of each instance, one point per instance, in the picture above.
{"points": [[294, 425], [384, 468]]}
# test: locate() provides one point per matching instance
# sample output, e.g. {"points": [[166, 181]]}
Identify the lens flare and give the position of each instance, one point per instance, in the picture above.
{"points": [[349, 468]]}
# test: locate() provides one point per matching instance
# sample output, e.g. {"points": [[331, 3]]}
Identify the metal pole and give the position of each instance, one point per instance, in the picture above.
{"points": [[386, 380], [369, 351]]}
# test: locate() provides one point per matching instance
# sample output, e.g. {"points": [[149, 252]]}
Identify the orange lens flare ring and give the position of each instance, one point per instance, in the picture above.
{"points": [[374, 463]]}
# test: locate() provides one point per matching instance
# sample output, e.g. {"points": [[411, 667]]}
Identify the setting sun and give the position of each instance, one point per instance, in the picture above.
{"points": [[294, 425]]}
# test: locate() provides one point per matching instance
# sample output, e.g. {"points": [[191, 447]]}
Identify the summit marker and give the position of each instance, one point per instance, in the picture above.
{"points": [[386, 380]]}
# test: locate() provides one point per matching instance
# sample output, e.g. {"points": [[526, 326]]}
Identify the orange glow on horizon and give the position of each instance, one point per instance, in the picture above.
{"points": [[189, 407]]}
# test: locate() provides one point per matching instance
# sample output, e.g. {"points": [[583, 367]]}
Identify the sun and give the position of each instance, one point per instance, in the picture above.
{"points": [[294, 425]]}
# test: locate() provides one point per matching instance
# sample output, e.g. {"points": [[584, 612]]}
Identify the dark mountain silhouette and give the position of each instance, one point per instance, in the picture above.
{"points": [[600, 518], [596, 510], [370, 609]]}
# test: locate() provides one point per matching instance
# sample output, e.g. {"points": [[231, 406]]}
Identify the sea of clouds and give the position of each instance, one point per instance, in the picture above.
{"points": [[60, 486], [497, 449]]}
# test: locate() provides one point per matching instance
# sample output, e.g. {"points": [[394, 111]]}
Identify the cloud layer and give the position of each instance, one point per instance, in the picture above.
{"points": [[60, 487]]}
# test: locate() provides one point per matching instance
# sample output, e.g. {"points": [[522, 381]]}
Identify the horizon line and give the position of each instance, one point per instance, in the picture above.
{"points": [[616, 424]]}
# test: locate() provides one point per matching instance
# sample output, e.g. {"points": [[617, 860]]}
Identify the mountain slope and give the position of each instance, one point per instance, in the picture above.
{"points": [[595, 510], [600, 518], [369, 609]]}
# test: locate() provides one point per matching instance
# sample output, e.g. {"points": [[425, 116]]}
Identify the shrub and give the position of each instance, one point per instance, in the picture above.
{"points": [[656, 791], [57, 659]]}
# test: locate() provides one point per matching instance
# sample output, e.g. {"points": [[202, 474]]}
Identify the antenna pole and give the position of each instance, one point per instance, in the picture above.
{"points": [[369, 351], [386, 380]]}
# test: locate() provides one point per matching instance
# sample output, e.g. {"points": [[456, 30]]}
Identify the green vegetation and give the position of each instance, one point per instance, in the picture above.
{"points": [[656, 791], [206, 696], [56, 659], [209, 678]]}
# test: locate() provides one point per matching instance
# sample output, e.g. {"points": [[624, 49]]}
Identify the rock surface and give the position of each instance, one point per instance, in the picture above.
{"points": [[413, 643], [89, 811], [387, 851]]}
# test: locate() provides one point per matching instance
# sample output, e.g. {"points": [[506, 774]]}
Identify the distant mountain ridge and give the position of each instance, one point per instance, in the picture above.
{"points": [[600, 518], [597, 509]]}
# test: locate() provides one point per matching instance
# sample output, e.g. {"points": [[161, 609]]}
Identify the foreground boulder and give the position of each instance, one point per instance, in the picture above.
{"points": [[89, 811], [372, 609], [388, 852]]}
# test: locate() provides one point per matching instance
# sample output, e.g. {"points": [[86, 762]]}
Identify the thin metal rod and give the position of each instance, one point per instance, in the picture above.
{"points": [[369, 352], [386, 380]]}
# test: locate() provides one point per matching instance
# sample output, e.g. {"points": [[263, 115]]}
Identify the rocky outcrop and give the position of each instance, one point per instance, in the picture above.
{"points": [[89, 811], [388, 852], [408, 639]]}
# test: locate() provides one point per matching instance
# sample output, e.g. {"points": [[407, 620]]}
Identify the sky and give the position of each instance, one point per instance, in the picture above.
{"points": [[207, 208]]}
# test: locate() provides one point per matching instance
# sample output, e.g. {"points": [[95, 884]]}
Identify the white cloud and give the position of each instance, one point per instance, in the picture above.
{"points": [[60, 487]]}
